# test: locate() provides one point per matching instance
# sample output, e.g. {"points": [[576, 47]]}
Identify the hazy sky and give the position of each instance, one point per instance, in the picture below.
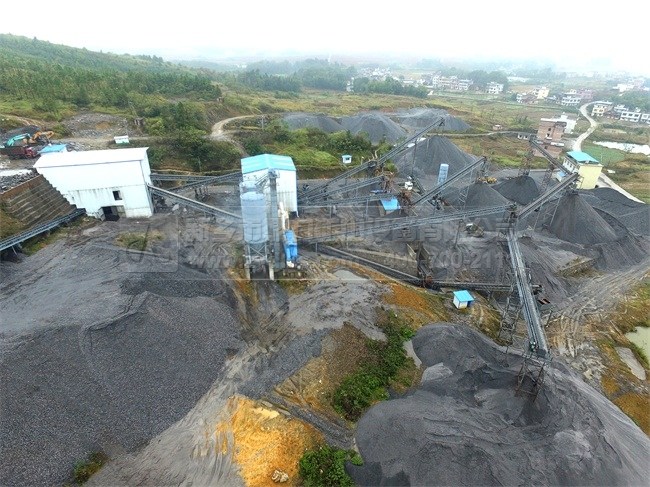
{"points": [[558, 31]]}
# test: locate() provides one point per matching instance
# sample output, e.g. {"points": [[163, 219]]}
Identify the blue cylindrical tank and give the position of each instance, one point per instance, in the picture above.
{"points": [[253, 210]]}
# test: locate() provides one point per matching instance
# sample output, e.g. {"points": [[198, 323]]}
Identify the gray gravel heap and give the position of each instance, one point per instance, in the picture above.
{"points": [[377, 125], [465, 426], [429, 154], [320, 121], [633, 215], [481, 195], [577, 222], [110, 385], [521, 189], [419, 118]]}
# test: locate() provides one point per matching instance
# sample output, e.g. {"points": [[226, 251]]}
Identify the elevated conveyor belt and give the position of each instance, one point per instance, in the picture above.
{"points": [[38, 229], [359, 229], [410, 279], [196, 180], [362, 183], [544, 198], [536, 336], [398, 149], [437, 190], [190, 203], [552, 160]]}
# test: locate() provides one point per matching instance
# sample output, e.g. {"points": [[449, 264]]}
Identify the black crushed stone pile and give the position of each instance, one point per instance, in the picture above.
{"points": [[419, 118], [426, 156], [320, 121], [633, 215], [521, 189], [576, 221], [377, 125], [464, 426], [481, 195]]}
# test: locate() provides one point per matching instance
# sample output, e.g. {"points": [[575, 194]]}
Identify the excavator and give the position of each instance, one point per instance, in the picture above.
{"points": [[22, 146], [37, 138]]}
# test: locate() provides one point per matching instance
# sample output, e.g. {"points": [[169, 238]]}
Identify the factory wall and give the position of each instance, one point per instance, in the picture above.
{"points": [[121, 184]]}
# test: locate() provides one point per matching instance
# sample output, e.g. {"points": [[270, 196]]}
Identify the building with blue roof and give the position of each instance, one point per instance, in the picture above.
{"points": [[463, 299], [585, 165], [255, 168]]}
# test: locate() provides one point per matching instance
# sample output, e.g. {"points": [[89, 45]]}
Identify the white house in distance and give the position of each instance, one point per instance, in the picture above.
{"points": [[255, 168], [106, 183]]}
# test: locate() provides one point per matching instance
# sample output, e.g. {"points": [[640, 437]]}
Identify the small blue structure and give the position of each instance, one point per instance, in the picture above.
{"points": [[290, 249], [54, 148], [346, 159], [389, 205], [462, 299]]}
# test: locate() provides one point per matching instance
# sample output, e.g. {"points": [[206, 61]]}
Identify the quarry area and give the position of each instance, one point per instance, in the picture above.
{"points": [[206, 342]]}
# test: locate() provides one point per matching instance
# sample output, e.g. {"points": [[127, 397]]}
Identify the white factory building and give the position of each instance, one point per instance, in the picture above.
{"points": [[257, 167], [106, 183]]}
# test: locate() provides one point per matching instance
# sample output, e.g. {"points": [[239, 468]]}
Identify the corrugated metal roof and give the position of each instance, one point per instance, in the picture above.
{"points": [[83, 158], [266, 161], [390, 204], [580, 156], [463, 296]]}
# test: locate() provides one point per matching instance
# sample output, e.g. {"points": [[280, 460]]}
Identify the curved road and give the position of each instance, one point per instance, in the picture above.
{"points": [[577, 145]]}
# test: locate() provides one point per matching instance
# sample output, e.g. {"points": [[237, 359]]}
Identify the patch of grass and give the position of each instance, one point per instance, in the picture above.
{"points": [[293, 285], [416, 306], [136, 241], [633, 311], [325, 466], [637, 407], [8, 224], [640, 355], [370, 383], [85, 469]]}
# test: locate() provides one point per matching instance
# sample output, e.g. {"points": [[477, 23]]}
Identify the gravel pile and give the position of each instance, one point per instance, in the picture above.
{"points": [[625, 251], [315, 120], [419, 118], [426, 156], [633, 215], [91, 125], [521, 189], [577, 222], [8, 182], [105, 359], [377, 125], [481, 195], [465, 426]]}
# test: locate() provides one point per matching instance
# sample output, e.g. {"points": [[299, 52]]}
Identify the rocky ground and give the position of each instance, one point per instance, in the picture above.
{"points": [[183, 372]]}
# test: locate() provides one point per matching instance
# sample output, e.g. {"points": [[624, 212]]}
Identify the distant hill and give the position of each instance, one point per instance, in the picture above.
{"points": [[50, 76], [21, 49]]}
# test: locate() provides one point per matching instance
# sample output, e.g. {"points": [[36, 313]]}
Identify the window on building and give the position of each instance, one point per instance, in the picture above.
{"points": [[117, 196]]}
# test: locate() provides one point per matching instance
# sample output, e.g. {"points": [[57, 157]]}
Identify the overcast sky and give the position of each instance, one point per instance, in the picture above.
{"points": [[573, 32]]}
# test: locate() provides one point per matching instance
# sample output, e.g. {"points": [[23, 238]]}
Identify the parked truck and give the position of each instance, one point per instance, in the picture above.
{"points": [[20, 152]]}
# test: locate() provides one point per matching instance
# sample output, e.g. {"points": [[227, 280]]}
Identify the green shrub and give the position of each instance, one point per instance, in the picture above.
{"points": [[370, 384], [83, 470], [325, 466]]}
